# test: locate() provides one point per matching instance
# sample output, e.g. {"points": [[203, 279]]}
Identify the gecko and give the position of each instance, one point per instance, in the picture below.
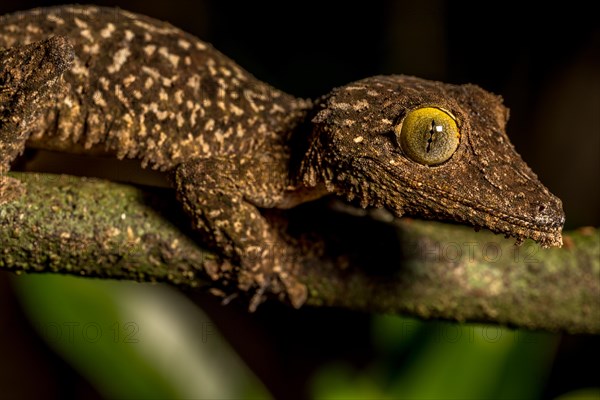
{"points": [[108, 82]]}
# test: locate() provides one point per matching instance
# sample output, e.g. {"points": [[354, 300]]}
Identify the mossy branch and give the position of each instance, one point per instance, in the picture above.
{"points": [[102, 229]]}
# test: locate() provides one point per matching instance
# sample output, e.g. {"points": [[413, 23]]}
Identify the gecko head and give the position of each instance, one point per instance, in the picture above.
{"points": [[429, 149]]}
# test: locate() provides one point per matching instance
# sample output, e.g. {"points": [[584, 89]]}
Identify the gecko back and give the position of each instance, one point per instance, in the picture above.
{"points": [[142, 88]]}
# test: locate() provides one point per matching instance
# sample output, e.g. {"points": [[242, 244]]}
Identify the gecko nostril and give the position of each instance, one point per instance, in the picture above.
{"points": [[541, 208]]}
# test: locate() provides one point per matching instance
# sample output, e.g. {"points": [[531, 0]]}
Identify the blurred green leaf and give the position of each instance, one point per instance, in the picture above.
{"points": [[434, 360], [393, 333], [340, 382], [135, 340]]}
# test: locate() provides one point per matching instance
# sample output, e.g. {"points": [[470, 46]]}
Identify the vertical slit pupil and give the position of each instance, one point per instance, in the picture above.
{"points": [[430, 139]]}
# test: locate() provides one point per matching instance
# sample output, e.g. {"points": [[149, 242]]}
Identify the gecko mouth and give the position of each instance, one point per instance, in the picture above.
{"points": [[539, 217], [544, 227], [547, 234]]}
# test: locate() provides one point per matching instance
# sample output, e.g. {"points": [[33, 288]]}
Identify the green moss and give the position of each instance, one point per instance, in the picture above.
{"points": [[102, 229]]}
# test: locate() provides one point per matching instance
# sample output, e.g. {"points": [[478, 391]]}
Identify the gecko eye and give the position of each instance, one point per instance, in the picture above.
{"points": [[428, 135]]}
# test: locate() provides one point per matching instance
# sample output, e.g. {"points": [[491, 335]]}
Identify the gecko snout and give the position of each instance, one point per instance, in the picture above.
{"points": [[549, 213]]}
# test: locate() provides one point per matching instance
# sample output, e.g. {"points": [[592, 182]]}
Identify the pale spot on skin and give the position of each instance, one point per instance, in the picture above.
{"points": [[184, 44], [160, 114], [119, 59], [129, 35], [212, 70], [180, 120], [203, 145], [276, 108], [53, 18], [149, 49], [194, 82], [84, 11], [340, 106], [149, 82], [353, 88], [240, 130], [162, 139], [200, 46], [104, 82], [162, 95], [86, 34], [179, 97], [219, 137], [358, 139], [91, 49], [99, 99], [194, 115], [33, 29], [151, 71], [209, 125], [129, 80], [121, 96], [142, 132], [173, 59], [248, 97], [80, 24], [79, 69], [107, 32], [225, 71], [236, 110], [360, 105]]}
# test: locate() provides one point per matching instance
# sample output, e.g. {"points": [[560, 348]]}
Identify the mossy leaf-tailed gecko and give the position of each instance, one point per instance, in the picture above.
{"points": [[104, 81]]}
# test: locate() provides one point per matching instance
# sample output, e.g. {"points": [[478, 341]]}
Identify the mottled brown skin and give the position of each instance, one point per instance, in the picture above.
{"points": [[485, 183], [141, 88]]}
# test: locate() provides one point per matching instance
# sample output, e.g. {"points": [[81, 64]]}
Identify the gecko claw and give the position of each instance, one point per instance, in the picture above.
{"points": [[259, 296]]}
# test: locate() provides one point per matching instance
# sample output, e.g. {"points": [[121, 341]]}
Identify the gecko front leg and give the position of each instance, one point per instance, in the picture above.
{"points": [[222, 195]]}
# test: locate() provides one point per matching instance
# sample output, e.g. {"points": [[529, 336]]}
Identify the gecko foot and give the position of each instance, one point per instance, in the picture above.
{"points": [[295, 291], [263, 280], [258, 285]]}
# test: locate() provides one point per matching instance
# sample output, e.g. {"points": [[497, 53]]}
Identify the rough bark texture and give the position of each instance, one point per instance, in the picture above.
{"points": [[102, 229]]}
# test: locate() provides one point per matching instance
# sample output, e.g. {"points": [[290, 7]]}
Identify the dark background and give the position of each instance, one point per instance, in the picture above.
{"points": [[544, 61]]}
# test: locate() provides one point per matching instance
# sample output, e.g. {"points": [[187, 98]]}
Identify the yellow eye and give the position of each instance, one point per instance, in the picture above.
{"points": [[428, 135]]}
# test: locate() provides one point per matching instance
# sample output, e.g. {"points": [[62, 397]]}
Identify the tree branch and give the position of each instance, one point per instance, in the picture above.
{"points": [[102, 229]]}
